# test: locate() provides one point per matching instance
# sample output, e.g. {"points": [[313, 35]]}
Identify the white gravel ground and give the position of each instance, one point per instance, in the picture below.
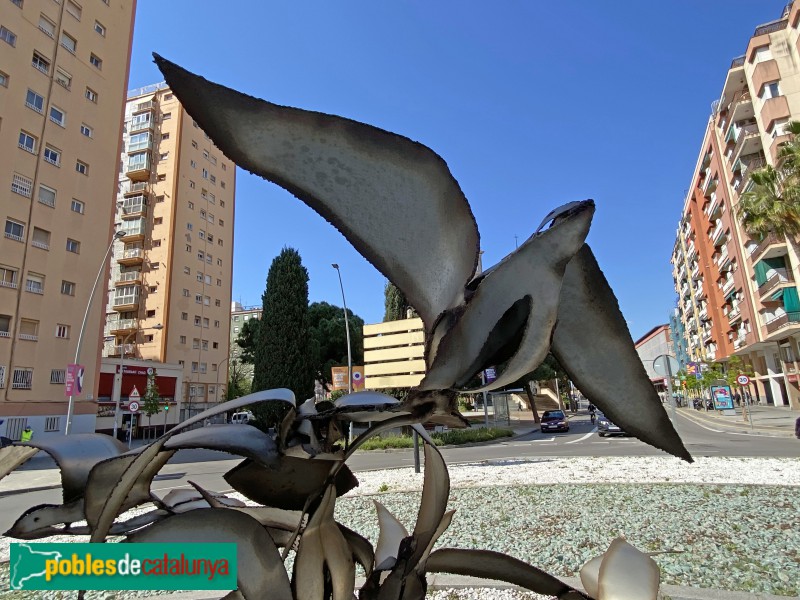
{"points": [[738, 530]]}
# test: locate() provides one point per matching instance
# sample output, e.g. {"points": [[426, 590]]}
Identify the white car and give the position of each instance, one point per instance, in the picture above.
{"points": [[242, 418]]}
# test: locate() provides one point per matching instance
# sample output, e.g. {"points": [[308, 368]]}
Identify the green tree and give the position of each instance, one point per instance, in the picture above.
{"points": [[773, 204], [283, 350], [151, 401], [247, 340], [238, 381], [395, 303], [329, 338]]}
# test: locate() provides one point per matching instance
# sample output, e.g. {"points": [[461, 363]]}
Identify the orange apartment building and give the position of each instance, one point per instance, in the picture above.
{"points": [[738, 295], [172, 272], [63, 72]]}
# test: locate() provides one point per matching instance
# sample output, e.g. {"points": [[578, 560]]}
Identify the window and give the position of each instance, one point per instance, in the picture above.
{"points": [[22, 378], [235, 330], [205, 174], [224, 167], [208, 279], [67, 288], [168, 96], [205, 322], [205, 344], [100, 28], [213, 179], [163, 156], [200, 276], [73, 246], [210, 217], [40, 238], [187, 271], [219, 282], [27, 142], [5, 328], [86, 130], [219, 242], [57, 376], [52, 155], [19, 4], [761, 54], [216, 323], [3, 79], [197, 320], [191, 184], [184, 316], [161, 177], [41, 63], [34, 101], [139, 141], [7, 36], [770, 90], [183, 339], [191, 205], [222, 185], [201, 234], [91, 95], [95, 61], [206, 300], [68, 42], [52, 423], [195, 343], [198, 298], [159, 199], [81, 167], [47, 26], [77, 206], [201, 255], [203, 367], [192, 164], [208, 258], [194, 370], [194, 144], [215, 345], [202, 214], [185, 293], [8, 277], [34, 283], [47, 196], [158, 220], [58, 116], [166, 116], [74, 9], [62, 331], [221, 223], [15, 230], [63, 78], [219, 262], [188, 247], [156, 243], [21, 185]]}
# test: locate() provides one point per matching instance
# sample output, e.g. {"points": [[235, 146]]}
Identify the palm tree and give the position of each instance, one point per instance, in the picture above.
{"points": [[773, 203]]}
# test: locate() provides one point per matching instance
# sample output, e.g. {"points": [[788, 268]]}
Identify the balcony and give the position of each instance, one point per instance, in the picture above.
{"points": [[771, 27], [691, 252], [739, 343], [703, 312], [141, 122], [138, 167], [133, 206], [122, 326], [780, 278], [128, 277], [771, 246], [136, 187], [144, 106], [735, 314], [748, 141], [696, 271], [727, 285], [714, 209], [128, 301], [131, 257], [750, 163], [133, 230], [112, 349], [709, 185], [784, 320], [773, 110], [706, 336]]}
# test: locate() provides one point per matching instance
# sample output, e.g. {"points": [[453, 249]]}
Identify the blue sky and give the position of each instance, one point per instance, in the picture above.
{"points": [[532, 104]]}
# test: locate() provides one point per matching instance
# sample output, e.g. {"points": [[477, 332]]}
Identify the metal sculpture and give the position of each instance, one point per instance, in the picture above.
{"points": [[397, 202]]}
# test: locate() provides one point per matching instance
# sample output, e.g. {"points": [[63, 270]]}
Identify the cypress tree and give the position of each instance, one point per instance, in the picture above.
{"points": [[283, 349]]}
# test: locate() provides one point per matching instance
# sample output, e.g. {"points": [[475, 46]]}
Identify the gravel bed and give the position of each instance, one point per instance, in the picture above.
{"points": [[729, 523]]}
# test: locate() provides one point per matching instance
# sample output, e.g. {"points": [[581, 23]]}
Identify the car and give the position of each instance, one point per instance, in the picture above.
{"points": [[554, 420], [4, 441], [607, 427], [242, 418]]}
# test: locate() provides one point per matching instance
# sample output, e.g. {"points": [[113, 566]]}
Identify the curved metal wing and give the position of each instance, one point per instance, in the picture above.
{"points": [[394, 199]]}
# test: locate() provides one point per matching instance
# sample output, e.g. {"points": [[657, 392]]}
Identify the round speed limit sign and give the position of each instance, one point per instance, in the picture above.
{"points": [[742, 380], [133, 406]]}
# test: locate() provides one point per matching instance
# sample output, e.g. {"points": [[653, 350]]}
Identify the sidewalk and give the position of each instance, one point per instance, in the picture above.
{"points": [[772, 421]]}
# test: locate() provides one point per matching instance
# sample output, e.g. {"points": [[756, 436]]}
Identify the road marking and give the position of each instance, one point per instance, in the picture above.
{"points": [[701, 425], [552, 439], [582, 438], [601, 442]]}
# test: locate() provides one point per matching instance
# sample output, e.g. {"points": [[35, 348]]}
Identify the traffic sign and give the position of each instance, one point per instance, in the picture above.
{"points": [[666, 365], [742, 380], [133, 406]]}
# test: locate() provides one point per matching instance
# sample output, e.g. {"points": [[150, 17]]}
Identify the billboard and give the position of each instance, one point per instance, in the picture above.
{"points": [[74, 380], [339, 378], [721, 395]]}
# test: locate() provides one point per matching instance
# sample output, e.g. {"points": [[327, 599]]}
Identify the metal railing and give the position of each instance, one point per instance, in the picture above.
{"points": [[771, 27], [138, 186], [133, 253], [771, 239], [120, 324], [779, 277], [737, 62], [128, 276], [782, 321], [745, 133]]}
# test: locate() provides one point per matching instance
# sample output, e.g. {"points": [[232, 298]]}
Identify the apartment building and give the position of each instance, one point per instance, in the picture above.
{"points": [[239, 316], [738, 294], [63, 71], [172, 271]]}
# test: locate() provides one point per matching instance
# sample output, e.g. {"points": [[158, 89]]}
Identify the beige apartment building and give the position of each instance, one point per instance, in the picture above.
{"points": [[63, 71], [171, 273], [738, 294]]}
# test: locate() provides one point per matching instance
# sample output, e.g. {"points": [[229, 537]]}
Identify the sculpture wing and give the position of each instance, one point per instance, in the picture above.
{"points": [[394, 199]]}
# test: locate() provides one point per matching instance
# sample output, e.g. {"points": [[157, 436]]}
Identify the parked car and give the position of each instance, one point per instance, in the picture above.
{"points": [[4, 441], [242, 418], [554, 420], [606, 427]]}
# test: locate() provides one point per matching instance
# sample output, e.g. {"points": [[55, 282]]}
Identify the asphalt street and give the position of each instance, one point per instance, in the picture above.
{"points": [[207, 467]]}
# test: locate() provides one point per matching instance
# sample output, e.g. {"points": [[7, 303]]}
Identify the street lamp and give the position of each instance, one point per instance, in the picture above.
{"points": [[118, 391], [347, 330], [71, 403]]}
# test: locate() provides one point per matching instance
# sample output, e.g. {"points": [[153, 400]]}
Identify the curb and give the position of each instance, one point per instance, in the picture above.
{"points": [[4, 493], [738, 427]]}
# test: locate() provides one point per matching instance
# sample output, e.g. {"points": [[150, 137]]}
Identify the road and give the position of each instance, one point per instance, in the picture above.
{"points": [[207, 467]]}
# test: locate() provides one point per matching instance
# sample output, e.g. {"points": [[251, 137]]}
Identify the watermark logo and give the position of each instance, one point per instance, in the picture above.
{"points": [[122, 567]]}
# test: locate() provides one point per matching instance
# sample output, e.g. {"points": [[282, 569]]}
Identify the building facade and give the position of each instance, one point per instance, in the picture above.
{"points": [[649, 347], [738, 294], [63, 71], [239, 316], [172, 271]]}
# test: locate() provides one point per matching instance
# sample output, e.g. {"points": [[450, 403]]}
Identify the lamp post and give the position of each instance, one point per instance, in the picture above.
{"points": [[71, 403], [349, 353], [118, 394]]}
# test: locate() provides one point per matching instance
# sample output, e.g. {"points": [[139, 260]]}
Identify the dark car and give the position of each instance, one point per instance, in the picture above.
{"points": [[606, 427], [4, 441], [554, 420]]}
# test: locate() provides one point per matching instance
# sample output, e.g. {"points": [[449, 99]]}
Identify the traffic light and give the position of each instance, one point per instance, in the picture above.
{"points": [[166, 408]]}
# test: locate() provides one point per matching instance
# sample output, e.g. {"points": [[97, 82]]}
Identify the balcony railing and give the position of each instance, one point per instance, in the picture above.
{"points": [[771, 27], [121, 324], [133, 253], [779, 277], [746, 132], [128, 276], [119, 349], [138, 186], [782, 321], [737, 62], [734, 314], [764, 244]]}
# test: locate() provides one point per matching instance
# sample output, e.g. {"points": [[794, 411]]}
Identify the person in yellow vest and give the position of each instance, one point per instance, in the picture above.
{"points": [[27, 434]]}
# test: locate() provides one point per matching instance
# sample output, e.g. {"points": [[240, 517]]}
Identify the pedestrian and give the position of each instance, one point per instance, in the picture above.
{"points": [[797, 428], [27, 434], [738, 399]]}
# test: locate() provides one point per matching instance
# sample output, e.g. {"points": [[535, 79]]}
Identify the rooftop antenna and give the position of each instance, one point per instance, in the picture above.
{"points": [[516, 242]]}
